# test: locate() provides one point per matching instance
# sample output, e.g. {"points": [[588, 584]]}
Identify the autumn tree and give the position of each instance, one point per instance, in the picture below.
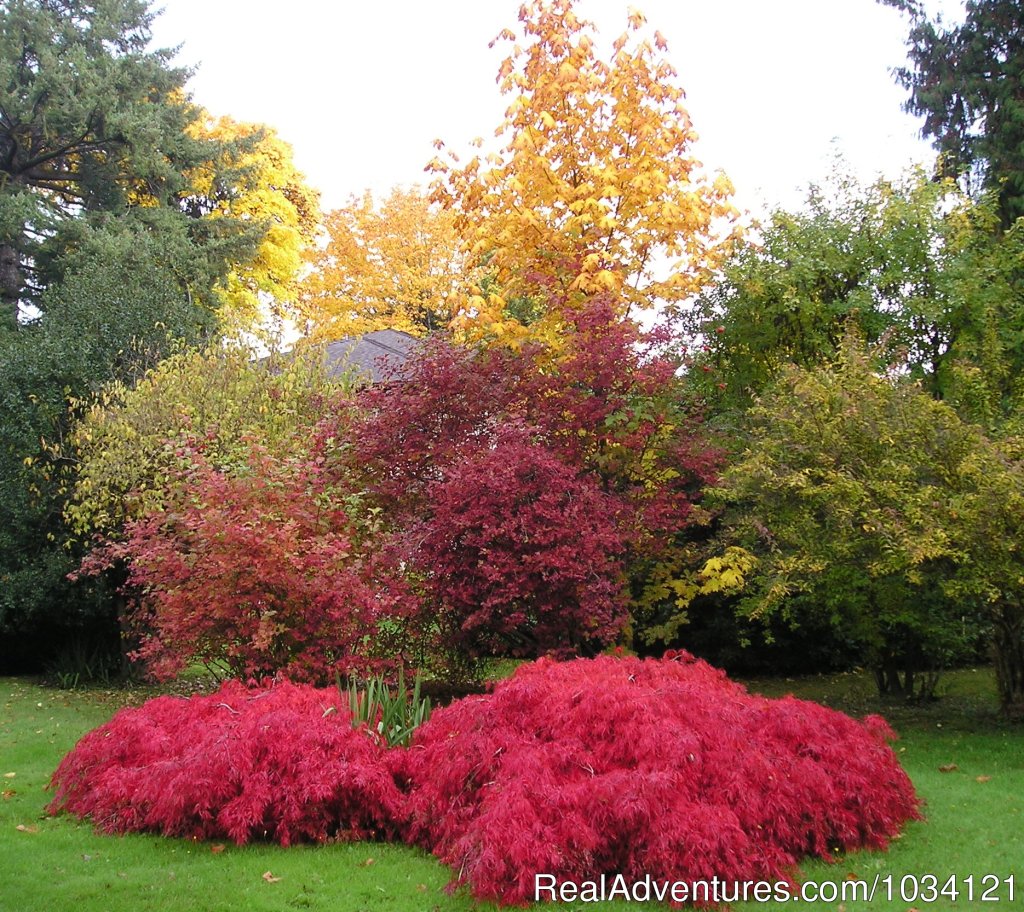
{"points": [[273, 194], [538, 494], [595, 188], [861, 497], [913, 265], [392, 265], [964, 80], [128, 443]]}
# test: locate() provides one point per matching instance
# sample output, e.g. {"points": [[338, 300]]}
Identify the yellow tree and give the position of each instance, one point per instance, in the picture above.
{"points": [[270, 190], [392, 266], [595, 188]]}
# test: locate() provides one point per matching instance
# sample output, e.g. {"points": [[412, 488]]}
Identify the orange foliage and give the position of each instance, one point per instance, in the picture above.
{"points": [[596, 188], [392, 266]]}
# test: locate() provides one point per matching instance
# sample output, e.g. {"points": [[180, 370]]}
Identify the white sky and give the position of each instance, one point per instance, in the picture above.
{"points": [[775, 88]]}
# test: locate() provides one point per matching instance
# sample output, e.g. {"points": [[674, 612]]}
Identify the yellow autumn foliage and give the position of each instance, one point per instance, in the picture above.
{"points": [[392, 265], [272, 191], [596, 187]]}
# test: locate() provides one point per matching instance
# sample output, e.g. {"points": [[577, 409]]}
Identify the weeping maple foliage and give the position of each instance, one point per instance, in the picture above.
{"points": [[279, 763], [660, 768]]}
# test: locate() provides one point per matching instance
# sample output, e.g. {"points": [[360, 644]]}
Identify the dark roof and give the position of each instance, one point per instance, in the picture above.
{"points": [[375, 356]]}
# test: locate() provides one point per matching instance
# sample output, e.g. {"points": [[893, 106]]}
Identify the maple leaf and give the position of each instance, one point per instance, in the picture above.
{"points": [[270, 878]]}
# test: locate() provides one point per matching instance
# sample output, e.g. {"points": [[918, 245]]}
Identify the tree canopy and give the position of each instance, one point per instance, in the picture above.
{"points": [[965, 80], [392, 265], [596, 188]]}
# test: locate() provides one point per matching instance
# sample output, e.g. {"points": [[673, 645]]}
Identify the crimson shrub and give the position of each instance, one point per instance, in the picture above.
{"points": [[660, 768], [258, 571], [654, 768], [524, 551], [281, 762]]}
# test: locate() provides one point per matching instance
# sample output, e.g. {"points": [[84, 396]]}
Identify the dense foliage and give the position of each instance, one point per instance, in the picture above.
{"points": [[913, 265], [659, 768], [280, 763], [124, 226], [131, 441], [595, 187], [524, 552], [254, 572], [536, 493], [964, 80], [392, 264], [848, 492], [645, 768], [110, 318]]}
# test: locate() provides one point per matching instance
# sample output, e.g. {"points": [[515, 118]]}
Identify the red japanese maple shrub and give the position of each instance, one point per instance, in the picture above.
{"points": [[259, 571], [524, 552], [278, 763], [433, 454], [661, 768]]}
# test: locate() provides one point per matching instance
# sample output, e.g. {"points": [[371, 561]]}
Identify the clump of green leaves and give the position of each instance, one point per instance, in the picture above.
{"points": [[392, 715]]}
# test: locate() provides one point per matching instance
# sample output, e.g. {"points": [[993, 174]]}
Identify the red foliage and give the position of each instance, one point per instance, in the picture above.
{"points": [[606, 406], [257, 570], [660, 768], [280, 763], [524, 552]]}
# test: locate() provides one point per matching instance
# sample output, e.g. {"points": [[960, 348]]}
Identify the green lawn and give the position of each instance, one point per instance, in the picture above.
{"points": [[975, 821]]}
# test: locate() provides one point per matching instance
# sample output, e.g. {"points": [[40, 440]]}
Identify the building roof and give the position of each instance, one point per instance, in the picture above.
{"points": [[375, 356]]}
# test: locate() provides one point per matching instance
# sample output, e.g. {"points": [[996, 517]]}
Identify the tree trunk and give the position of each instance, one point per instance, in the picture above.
{"points": [[898, 680], [1008, 653], [10, 284]]}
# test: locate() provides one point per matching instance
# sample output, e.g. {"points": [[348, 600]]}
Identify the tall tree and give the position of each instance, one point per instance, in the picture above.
{"points": [[859, 494], [913, 264], [967, 81], [94, 136], [392, 265], [596, 187]]}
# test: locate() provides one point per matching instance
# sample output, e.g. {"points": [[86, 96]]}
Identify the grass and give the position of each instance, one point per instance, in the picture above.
{"points": [[975, 821]]}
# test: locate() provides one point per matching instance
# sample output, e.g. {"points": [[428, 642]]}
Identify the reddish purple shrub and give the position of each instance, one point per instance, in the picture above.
{"points": [[280, 763], [525, 553], [606, 419], [660, 768]]}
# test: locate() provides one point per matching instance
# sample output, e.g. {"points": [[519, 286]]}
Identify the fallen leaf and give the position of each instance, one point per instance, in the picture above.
{"points": [[9, 794], [9, 775], [86, 857], [218, 848], [982, 778], [422, 888], [366, 864], [948, 768], [270, 878], [21, 828]]}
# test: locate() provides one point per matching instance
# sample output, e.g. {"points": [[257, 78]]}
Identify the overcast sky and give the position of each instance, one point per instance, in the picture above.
{"points": [[775, 88]]}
